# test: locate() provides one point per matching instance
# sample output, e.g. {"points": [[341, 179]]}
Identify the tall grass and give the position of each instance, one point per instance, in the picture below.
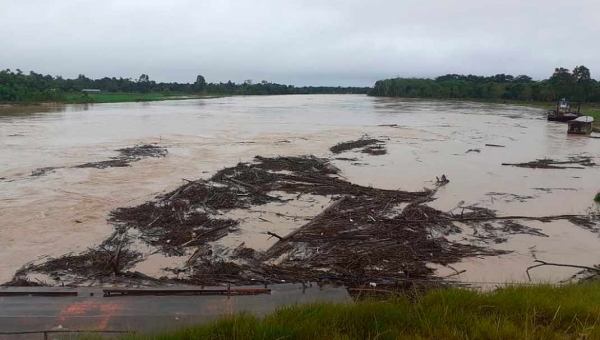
{"points": [[538, 312]]}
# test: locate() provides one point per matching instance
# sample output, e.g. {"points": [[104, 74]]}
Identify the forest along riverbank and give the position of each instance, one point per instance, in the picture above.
{"points": [[289, 216]]}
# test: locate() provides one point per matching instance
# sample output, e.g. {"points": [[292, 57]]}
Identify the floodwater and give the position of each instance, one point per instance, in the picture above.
{"points": [[66, 209]]}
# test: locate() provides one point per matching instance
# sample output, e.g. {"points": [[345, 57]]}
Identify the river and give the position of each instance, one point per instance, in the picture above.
{"points": [[66, 209]]}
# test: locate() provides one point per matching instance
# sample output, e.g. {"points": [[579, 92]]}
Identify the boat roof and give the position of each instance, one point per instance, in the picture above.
{"points": [[583, 119]]}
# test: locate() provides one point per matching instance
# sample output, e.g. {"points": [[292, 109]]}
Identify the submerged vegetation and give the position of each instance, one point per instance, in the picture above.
{"points": [[18, 87], [576, 85], [535, 312]]}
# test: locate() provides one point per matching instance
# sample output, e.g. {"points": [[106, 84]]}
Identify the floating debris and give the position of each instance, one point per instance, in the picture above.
{"points": [[508, 198], [553, 189], [303, 164], [367, 235], [500, 232], [113, 163], [43, 171], [442, 180], [125, 158], [355, 144], [376, 150], [548, 163], [357, 239]]}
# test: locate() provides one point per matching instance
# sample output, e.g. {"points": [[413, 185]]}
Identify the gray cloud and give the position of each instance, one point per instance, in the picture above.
{"points": [[306, 42]]}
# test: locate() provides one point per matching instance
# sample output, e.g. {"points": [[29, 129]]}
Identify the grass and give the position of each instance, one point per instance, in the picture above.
{"points": [[76, 98], [534, 312]]}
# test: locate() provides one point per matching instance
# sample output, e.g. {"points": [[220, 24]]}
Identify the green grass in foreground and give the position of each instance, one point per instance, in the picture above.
{"points": [[536, 312], [76, 98]]}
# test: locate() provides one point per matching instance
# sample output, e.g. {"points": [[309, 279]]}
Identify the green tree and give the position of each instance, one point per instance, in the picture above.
{"points": [[200, 84], [583, 82], [144, 83], [562, 82]]}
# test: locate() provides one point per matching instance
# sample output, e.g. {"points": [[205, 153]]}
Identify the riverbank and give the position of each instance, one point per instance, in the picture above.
{"points": [[100, 98], [517, 312], [77, 98], [587, 109]]}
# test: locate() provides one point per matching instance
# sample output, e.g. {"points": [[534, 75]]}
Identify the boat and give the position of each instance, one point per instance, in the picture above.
{"points": [[581, 125], [564, 111]]}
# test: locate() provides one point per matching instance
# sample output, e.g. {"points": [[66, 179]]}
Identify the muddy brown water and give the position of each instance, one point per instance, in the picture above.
{"points": [[66, 209]]}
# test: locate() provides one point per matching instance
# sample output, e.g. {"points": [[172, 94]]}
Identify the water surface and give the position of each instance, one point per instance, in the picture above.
{"points": [[66, 210]]}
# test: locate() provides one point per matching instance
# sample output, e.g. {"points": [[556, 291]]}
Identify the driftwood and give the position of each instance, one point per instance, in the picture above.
{"points": [[544, 263], [200, 236], [548, 163], [456, 272], [498, 218], [496, 145], [274, 235], [117, 257], [251, 187], [283, 243]]}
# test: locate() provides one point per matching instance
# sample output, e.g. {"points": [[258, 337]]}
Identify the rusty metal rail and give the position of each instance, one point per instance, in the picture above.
{"points": [[38, 293], [45, 333], [182, 292]]}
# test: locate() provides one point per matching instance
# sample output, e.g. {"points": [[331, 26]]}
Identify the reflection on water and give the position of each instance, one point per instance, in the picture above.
{"points": [[66, 210], [9, 111]]}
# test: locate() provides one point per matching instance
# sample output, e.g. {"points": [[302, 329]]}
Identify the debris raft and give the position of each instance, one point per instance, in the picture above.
{"points": [[91, 263], [366, 235], [124, 159], [97, 264], [355, 241], [508, 197], [490, 233], [548, 163], [376, 150], [127, 156], [143, 151], [303, 165], [44, 171], [355, 144]]}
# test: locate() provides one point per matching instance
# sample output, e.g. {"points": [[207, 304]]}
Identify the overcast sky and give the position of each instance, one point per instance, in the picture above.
{"points": [[320, 42]]}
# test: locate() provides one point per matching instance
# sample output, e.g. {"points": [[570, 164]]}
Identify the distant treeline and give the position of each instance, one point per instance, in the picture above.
{"points": [[18, 87], [576, 86]]}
